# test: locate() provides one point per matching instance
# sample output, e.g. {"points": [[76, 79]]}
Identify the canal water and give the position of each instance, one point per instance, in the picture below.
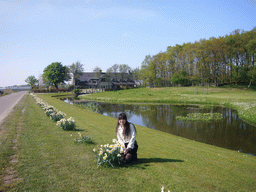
{"points": [[230, 133]]}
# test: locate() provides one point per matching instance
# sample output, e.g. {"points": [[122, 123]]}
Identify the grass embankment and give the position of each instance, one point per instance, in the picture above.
{"points": [[243, 100], [49, 160]]}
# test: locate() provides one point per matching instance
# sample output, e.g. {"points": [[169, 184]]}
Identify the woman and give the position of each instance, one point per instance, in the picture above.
{"points": [[126, 135]]}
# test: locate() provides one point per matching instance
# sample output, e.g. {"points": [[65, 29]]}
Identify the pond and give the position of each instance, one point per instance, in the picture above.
{"points": [[230, 133]]}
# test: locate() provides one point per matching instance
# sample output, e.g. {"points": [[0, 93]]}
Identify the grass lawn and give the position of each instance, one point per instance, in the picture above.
{"points": [[36, 155]]}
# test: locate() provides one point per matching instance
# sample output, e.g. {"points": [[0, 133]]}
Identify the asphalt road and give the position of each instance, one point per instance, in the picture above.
{"points": [[7, 103]]}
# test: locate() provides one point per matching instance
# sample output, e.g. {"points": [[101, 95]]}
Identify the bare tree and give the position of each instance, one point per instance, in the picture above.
{"points": [[76, 69]]}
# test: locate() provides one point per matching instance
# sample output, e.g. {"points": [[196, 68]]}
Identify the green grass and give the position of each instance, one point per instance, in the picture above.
{"points": [[49, 160]]}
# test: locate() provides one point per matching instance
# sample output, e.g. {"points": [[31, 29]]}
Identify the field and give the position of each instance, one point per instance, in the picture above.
{"points": [[36, 155]]}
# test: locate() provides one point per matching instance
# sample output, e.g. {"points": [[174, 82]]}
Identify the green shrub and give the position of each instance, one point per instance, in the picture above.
{"points": [[57, 116], [67, 124], [48, 112], [83, 139], [76, 91]]}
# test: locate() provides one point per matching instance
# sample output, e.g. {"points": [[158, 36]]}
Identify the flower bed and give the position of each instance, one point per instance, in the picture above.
{"points": [[108, 155], [67, 124], [57, 116], [48, 112]]}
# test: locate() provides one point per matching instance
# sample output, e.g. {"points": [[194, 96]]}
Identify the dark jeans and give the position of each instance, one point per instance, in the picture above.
{"points": [[131, 155]]}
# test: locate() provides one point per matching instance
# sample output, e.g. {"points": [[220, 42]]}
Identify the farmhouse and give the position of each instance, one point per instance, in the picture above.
{"points": [[105, 80]]}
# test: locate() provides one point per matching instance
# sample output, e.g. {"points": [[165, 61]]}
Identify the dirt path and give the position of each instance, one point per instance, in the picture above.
{"points": [[8, 102]]}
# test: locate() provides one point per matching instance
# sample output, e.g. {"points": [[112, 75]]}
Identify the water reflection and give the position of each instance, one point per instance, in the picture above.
{"points": [[231, 133]]}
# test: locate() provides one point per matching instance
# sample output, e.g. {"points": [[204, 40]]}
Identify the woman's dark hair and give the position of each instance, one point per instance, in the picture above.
{"points": [[126, 125]]}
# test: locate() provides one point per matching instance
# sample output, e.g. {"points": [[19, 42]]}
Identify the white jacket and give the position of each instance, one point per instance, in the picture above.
{"points": [[130, 139]]}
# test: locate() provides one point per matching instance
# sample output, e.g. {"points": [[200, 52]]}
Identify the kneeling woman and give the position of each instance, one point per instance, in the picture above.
{"points": [[126, 135]]}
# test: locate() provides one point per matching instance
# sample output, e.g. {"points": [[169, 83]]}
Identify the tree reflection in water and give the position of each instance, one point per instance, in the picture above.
{"points": [[231, 132]]}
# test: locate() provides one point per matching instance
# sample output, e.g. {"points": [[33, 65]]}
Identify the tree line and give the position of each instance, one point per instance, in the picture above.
{"points": [[224, 60]]}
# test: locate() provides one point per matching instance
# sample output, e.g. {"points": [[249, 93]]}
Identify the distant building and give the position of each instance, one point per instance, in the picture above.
{"points": [[104, 80], [19, 88]]}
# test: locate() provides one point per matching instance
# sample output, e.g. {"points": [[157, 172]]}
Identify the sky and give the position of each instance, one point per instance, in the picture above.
{"points": [[101, 33]]}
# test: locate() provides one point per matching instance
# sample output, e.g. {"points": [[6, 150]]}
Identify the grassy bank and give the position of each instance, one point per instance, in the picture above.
{"points": [[47, 159], [243, 100]]}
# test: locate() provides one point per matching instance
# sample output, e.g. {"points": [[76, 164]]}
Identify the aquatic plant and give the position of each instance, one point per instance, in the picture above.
{"points": [[201, 117]]}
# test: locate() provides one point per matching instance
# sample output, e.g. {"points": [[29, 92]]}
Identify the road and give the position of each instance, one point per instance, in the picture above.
{"points": [[7, 103]]}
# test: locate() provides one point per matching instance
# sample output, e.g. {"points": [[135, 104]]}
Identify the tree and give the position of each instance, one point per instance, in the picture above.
{"points": [[55, 73], [31, 80], [76, 69], [113, 71], [137, 74], [144, 72], [97, 71], [40, 81], [151, 79], [216, 60], [251, 47], [252, 75], [180, 78], [124, 69]]}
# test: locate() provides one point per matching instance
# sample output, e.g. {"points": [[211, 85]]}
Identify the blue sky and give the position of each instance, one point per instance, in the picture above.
{"points": [[35, 33]]}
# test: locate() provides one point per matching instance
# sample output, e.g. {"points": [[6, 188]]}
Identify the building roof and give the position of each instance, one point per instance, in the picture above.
{"points": [[87, 76], [91, 78]]}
